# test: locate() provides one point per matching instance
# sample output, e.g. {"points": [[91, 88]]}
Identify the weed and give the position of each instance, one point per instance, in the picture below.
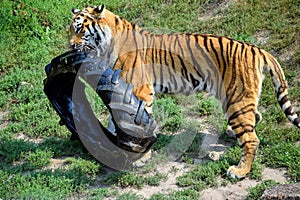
{"points": [[284, 155], [168, 113], [202, 176], [129, 196], [257, 191], [195, 147], [98, 194], [155, 180], [35, 186], [162, 141], [62, 147], [37, 159], [205, 105], [206, 175], [125, 179], [11, 150], [81, 166], [186, 194], [256, 170]]}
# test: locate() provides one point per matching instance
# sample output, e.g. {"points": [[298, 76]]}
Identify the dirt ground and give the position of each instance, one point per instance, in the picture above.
{"points": [[232, 191]]}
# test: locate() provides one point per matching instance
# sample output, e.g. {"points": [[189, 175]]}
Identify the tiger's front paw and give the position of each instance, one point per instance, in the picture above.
{"points": [[237, 172]]}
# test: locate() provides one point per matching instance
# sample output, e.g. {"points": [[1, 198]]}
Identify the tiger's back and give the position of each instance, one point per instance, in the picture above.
{"points": [[186, 63]]}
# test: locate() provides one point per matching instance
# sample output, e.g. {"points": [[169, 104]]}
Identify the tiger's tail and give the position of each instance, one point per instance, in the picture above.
{"points": [[281, 88]]}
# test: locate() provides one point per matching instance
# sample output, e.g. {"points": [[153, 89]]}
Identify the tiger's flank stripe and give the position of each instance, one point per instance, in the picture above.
{"points": [[165, 54], [162, 55], [215, 52], [183, 85], [231, 47], [205, 37], [228, 100], [208, 79], [168, 55], [242, 52], [172, 78], [116, 21], [182, 63], [263, 56], [150, 48], [233, 78], [142, 54], [220, 40], [194, 61], [172, 63], [171, 53], [167, 64], [255, 68], [228, 49], [195, 82], [161, 75], [204, 54], [136, 55], [277, 70]]}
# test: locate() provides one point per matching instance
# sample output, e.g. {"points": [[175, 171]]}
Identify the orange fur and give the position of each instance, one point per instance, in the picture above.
{"points": [[186, 63]]}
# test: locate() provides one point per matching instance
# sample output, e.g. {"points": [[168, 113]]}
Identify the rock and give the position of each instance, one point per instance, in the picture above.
{"points": [[282, 192]]}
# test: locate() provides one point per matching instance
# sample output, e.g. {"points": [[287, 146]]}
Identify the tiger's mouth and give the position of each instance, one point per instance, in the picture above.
{"points": [[86, 48], [83, 48]]}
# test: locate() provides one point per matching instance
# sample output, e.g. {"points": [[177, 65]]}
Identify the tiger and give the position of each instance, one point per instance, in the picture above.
{"points": [[182, 63]]}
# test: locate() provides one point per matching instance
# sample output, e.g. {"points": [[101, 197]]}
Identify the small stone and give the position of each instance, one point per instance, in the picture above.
{"points": [[282, 192]]}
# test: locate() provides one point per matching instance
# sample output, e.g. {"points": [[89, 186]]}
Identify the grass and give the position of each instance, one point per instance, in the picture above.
{"points": [[186, 194], [133, 179], [33, 32], [257, 191], [168, 112]]}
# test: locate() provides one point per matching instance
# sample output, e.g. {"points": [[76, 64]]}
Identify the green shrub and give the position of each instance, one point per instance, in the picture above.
{"points": [[37, 158], [185, 194], [284, 155], [257, 191], [168, 113], [81, 166]]}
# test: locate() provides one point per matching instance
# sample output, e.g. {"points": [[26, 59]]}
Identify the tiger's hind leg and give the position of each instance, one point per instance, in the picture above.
{"points": [[231, 133], [242, 123]]}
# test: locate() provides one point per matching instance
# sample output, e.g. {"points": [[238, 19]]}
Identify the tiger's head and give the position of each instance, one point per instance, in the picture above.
{"points": [[93, 28]]}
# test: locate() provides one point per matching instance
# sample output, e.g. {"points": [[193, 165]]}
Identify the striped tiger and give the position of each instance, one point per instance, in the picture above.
{"points": [[231, 70]]}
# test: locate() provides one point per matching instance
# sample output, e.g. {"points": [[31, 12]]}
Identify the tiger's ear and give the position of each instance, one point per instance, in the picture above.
{"points": [[75, 11], [100, 10]]}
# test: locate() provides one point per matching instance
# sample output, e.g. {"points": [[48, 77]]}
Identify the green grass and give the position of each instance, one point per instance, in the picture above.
{"points": [[186, 194], [33, 32], [257, 191], [168, 112], [133, 179]]}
